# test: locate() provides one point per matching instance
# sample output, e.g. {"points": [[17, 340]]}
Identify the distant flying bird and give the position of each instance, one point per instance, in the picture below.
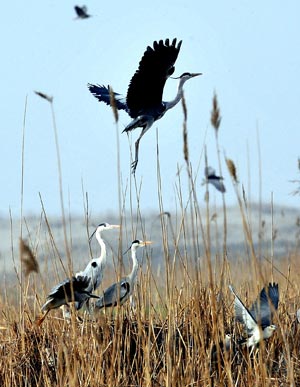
{"points": [[144, 102], [73, 289], [212, 178], [45, 96], [119, 292], [258, 320], [81, 12]]}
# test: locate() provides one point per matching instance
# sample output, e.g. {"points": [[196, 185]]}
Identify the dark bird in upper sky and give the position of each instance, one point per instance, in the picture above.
{"points": [[212, 178], [258, 320], [144, 102], [81, 12]]}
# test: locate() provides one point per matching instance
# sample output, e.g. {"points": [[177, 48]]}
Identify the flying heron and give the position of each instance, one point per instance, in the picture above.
{"points": [[212, 178], [144, 102], [258, 320], [83, 283], [120, 291], [81, 12]]}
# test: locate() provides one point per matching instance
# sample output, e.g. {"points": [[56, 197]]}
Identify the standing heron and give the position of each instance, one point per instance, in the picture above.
{"points": [[258, 320], [83, 283], [94, 269], [144, 102], [212, 178], [81, 12], [70, 290], [120, 291]]}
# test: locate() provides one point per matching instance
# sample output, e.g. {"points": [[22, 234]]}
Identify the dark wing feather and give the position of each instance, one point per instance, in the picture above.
{"points": [[80, 12], [64, 289], [261, 308], [102, 93], [146, 86]]}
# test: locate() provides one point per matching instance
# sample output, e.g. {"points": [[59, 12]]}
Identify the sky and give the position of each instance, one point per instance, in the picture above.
{"points": [[247, 51]]}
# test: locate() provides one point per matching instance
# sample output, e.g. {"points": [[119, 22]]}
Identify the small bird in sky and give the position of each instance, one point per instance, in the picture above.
{"points": [[81, 12], [258, 320], [212, 178]]}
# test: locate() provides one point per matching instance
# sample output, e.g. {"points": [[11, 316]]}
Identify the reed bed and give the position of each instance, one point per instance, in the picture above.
{"points": [[181, 311]]}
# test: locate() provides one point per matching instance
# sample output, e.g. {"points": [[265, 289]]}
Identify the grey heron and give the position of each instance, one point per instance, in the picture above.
{"points": [[81, 12], [70, 290], [85, 281], [94, 269], [258, 320], [212, 178], [144, 102], [120, 291]]}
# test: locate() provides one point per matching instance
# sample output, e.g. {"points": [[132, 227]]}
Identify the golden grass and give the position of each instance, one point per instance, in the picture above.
{"points": [[181, 311]]}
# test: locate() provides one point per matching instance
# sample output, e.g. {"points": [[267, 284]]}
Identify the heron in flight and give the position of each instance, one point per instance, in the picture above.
{"points": [[258, 320], [119, 292], [83, 283], [212, 178], [81, 12], [144, 102]]}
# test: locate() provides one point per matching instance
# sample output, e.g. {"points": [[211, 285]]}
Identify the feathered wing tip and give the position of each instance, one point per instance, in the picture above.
{"points": [[102, 93]]}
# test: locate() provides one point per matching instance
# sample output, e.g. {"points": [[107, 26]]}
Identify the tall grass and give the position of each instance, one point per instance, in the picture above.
{"points": [[182, 308]]}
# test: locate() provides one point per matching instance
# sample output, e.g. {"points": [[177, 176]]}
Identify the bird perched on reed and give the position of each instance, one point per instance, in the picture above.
{"points": [[119, 292], [258, 320], [144, 102]]}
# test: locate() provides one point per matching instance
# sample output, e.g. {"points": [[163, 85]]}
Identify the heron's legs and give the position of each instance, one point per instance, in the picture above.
{"points": [[137, 143]]}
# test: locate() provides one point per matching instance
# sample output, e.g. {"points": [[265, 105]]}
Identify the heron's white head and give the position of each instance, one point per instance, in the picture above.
{"points": [[103, 226], [136, 244], [269, 330], [186, 76]]}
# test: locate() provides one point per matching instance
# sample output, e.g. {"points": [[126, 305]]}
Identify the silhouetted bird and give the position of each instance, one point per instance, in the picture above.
{"points": [[81, 12]]}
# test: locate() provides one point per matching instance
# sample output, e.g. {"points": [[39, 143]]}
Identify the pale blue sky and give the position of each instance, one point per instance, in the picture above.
{"points": [[247, 51]]}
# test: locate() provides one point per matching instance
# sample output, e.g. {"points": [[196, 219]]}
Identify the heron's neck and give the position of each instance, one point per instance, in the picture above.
{"points": [[178, 97], [135, 266], [102, 257]]}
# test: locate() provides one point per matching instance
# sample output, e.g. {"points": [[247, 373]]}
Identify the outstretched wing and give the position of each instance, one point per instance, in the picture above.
{"points": [[242, 314], [261, 309], [146, 86], [102, 93]]}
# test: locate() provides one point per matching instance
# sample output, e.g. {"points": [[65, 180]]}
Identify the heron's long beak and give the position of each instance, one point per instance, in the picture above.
{"points": [[91, 236], [115, 226], [146, 243]]}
